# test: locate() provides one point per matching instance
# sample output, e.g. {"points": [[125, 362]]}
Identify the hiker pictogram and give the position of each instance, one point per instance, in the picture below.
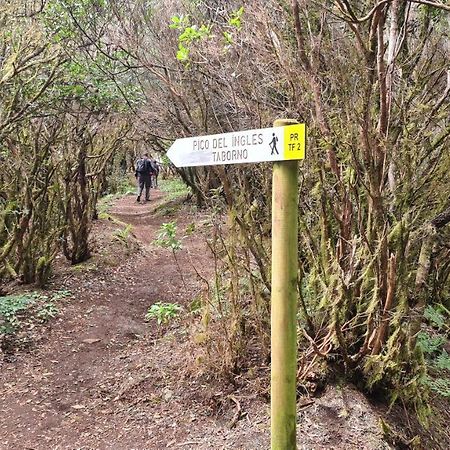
{"points": [[273, 144]]}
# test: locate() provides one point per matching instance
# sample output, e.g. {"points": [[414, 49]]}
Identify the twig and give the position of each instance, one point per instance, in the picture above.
{"points": [[307, 404], [319, 350], [179, 269], [237, 415]]}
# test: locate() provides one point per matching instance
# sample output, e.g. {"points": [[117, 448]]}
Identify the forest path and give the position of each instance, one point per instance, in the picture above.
{"points": [[99, 377]]}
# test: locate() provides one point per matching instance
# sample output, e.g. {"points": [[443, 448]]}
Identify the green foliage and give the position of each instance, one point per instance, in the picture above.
{"points": [[438, 316], [174, 188], [236, 18], [10, 309], [34, 305], [179, 22], [87, 79], [63, 293], [88, 84], [228, 38], [167, 237], [440, 386], [188, 35], [432, 345], [62, 118], [47, 311], [235, 24], [182, 53], [442, 361], [123, 234], [193, 33], [163, 312]]}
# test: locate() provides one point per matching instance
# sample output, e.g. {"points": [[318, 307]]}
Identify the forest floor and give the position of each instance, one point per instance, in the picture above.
{"points": [[98, 376]]}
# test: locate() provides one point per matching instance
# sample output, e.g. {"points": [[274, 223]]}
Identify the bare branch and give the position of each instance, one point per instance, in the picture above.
{"points": [[384, 2]]}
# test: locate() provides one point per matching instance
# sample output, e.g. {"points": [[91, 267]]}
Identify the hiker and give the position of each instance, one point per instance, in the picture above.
{"points": [[155, 173], [143, 175]]}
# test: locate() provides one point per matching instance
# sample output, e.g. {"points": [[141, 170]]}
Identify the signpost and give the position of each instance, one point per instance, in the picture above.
{"points": [[283, 144], [283, 311], [266, 144]]}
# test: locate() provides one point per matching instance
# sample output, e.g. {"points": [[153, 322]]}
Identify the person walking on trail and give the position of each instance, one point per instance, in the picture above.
{"points": [[155, 168], [143, 175]]}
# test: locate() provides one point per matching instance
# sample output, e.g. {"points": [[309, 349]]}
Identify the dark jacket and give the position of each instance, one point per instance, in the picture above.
{"points": [[144, 168]]}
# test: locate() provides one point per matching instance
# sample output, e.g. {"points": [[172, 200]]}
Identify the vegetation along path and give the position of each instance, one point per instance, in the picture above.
{"points": [[99, 376]]}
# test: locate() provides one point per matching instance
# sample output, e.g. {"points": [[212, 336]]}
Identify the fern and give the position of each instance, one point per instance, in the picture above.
{"points": [[439, 385], [430, 344], [437, 316], [438, 379], [442, 362], [123, 234]]}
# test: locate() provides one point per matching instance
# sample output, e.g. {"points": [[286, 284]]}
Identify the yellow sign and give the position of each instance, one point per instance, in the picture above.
{"points": [[294, 141]]}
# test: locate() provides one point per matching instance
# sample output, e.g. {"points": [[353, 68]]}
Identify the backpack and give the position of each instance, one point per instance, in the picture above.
{"points": [[141, 166]]}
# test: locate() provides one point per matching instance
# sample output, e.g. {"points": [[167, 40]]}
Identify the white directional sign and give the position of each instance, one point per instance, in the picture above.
{"points": [[266, 144]]}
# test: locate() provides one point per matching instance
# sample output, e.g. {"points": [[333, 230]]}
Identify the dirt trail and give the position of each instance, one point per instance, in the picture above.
{"points": [[70, 390]]}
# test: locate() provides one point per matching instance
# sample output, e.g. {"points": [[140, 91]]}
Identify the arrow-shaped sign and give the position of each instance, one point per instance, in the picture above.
{"points": [[266, 144]]}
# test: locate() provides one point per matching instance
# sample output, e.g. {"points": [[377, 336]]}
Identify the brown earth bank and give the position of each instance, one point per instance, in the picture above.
{"points": [[99, 376]]}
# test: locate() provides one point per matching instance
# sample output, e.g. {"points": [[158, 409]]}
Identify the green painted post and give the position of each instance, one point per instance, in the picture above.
{"points": [[284, 302]]}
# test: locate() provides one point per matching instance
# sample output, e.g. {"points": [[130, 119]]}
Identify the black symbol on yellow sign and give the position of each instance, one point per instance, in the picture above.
{"points": [[294, 142], [294, 146]]}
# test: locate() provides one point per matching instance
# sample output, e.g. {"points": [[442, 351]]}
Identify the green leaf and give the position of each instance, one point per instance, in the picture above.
{"points": [[439, 385], [228, 37], [179, 22], [163, 312], [183, 53], [10, 307], [236, 16]]}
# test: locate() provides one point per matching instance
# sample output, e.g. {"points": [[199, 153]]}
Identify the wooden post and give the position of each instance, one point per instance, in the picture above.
{"points": [[284, 302]]}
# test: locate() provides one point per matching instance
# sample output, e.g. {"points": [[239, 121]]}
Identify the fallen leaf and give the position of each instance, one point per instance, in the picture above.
{"points": [[90, 341]]}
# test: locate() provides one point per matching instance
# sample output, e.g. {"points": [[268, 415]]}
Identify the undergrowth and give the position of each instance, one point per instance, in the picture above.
{"points": [[20, 309], [174, 188], [432, 342], [167, 238], [163, 313], [123, 234], [121, 186]]}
